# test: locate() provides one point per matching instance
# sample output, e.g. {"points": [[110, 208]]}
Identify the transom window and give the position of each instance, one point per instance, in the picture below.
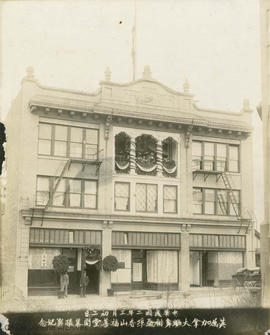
{"points": [[146, 198], [216, 201], [210, 156], [66, 141], [72, 193]]}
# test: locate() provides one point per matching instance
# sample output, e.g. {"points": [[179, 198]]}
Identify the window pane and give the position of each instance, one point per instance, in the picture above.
{"points": [[91, 136], [45, 131], [58, 199], [141, 197], [75, 200], [90, 151], [222, 202], [235, 203], [90, 201], [90, 187], [60, 148], [169, 206], [74, 186], [61, 133], [42, 198], [209, 205], [170, 192], [196, 149], [233, 158], [208, 156], [221, 157], [43, 183], [76, 134], [44, 147], [122, 189], [151, 198], [197, 201], [121, 203], [76, 150], [61, 186]]}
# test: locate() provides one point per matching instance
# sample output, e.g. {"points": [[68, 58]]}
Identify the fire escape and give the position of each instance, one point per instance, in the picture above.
{"points": [[226, 178], [66, 167]]}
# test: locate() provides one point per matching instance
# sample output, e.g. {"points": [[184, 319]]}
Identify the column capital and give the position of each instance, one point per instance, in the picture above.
{"points": [[185, 228]]}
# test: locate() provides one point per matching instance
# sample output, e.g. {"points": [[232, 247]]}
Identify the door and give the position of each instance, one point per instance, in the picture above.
{"points": [[138, 269], [93, 274]]}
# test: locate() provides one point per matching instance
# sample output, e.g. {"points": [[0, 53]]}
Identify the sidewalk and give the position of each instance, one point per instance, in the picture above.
{"points": [[194, 298]]}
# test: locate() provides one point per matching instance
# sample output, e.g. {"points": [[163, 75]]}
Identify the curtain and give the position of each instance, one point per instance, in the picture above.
{"points": [[229, 263], [162, 266], [41, 258], [122, 275]]}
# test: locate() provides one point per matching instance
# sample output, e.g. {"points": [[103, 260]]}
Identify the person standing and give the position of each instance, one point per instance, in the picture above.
{"points": [[84, 281], [64, 282]]}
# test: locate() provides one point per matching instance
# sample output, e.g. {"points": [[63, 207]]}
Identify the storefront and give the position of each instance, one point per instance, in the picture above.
{"points": [[147, 260], [83, 249], [215, 258]]}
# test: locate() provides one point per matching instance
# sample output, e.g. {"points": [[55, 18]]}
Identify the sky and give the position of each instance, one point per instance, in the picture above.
{"points": [[215, 44]]}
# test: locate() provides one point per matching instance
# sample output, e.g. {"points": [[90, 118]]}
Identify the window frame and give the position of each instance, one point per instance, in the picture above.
{"points": [[215, 161], [156, 206], [128, 207], [176, 199], [67, 193], [68, 141], [228, 203]]}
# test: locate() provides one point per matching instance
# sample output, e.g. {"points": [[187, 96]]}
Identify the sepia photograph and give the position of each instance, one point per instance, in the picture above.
{"points": [[134, 188]]}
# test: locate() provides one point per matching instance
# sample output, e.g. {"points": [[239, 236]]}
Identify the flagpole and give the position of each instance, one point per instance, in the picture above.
{"points": [[133, 52]]}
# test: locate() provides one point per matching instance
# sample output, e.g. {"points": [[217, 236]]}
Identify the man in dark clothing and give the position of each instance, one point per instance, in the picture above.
{"points": [[83, 283]]}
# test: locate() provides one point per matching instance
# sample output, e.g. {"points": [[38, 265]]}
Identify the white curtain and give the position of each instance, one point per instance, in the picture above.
{"points": [[194, 267], [122, 275], [162, 266], [229, 263]]}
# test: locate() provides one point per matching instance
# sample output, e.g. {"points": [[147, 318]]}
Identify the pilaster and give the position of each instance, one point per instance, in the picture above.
{"points": [[184, 276], [105, 277]]}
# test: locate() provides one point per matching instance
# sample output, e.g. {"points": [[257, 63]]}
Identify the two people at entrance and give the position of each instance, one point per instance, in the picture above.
{"points": [[64, 282], [84, 281]]}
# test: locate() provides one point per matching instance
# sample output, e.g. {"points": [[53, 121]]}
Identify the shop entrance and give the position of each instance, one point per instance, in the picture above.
{"points": [[93, 274], [138, 269], [203, 268]]}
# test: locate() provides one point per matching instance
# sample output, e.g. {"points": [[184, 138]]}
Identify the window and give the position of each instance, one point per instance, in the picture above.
{"points": [[70, 193], [215, 156], [221, 157], [45, 135], [43, 191], [64, 141], [90, 194], [234, 197], [209, 201], [234, 158], [75, 192], [169, 199], [216, 202], [121, 196], [208, 158], [197, 200], [146, 198]]}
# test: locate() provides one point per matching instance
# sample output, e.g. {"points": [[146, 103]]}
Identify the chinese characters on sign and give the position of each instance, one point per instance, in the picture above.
{"points": [[132, 318]]}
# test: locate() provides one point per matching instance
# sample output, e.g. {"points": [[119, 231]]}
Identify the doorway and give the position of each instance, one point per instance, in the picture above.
{"points": [[138, 269], [93, 274]]}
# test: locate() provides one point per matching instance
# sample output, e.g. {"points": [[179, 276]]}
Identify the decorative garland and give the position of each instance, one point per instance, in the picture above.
{"points": [[122, 167]]}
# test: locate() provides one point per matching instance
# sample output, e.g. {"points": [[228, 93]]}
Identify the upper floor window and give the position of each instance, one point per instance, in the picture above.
{"points": [[216, 201], [121, 196], [209, 156], [146, 198], [66, 141], [72, 193], [169, 199]]}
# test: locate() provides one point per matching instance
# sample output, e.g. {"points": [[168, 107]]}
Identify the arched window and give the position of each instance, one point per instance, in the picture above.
{"points": [[122, 150], [169, 157], [146, 155]]}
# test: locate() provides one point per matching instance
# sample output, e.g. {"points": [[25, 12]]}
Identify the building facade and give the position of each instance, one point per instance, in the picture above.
{"points": [[133, 170], [264, 114]]}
